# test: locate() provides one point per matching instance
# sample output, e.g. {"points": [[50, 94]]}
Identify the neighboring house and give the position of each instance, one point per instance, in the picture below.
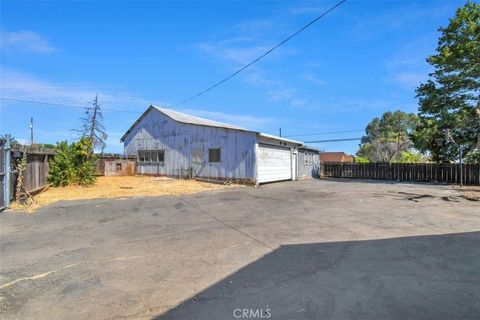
{"points": [[171, 143], [335, 157]]}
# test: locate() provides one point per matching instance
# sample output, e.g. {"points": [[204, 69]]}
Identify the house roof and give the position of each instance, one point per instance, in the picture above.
{"points": [[304, 147], [271, 136], [186, 118], [189, 119], [335, 157]]}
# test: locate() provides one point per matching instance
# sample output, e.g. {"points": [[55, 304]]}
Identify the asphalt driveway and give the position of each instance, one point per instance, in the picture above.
{"points": [[295, 250]]}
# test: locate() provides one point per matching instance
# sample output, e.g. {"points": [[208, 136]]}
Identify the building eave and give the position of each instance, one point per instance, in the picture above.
{"points": [[278, 138]]}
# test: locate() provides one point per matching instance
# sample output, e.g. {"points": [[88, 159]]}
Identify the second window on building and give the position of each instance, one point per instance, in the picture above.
{"points": [[214, 155], [156, 156]]}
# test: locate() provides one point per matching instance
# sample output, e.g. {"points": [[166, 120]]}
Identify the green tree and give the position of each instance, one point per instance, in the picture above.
{"points": [[73, 164], [359, 159], [410, 157], [386, 138], [450, 98]]}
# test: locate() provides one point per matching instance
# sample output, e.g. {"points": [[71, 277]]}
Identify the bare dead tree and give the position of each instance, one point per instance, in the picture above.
{"points": [[92, 126]]}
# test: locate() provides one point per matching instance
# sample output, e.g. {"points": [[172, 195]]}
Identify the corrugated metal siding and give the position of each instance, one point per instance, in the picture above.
{"points": [[302, 168], [307, 168], [158, 132]]}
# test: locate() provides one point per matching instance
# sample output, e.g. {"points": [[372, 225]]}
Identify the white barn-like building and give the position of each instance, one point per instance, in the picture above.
{"points": [[171, 143]]}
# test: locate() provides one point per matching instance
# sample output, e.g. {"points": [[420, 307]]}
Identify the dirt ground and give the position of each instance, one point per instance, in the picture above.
{"points": [[470, 192], [119, 187]]}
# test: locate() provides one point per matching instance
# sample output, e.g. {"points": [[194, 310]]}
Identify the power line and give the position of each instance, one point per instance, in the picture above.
{"points": [[206, 90], [61, 105], [320, 133], [333, 140], [258, 58]]}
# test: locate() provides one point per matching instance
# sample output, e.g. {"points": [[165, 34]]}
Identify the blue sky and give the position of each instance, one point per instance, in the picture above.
{"points": [[361, 60]]}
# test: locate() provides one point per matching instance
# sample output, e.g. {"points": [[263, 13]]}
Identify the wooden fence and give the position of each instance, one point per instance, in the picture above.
{"points": [[36, 172], [422, 172]]}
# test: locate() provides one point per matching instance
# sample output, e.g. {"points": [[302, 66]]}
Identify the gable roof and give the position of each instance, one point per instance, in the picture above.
{"points": [[183, 118], [186, 118], [189, 119]]}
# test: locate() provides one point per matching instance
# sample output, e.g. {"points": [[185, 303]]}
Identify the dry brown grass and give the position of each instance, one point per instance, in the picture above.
{"points": [[469, 192], [119, 187]]}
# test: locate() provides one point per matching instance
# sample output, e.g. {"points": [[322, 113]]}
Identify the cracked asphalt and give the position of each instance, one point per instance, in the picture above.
{"points": [[303, 250]]}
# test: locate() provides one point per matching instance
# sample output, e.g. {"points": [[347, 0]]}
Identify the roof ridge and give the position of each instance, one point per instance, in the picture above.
{"points": [[192, 119]]}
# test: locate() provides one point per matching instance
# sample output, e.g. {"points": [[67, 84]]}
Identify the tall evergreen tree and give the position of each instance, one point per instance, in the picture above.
{"points": [[449, 100]]}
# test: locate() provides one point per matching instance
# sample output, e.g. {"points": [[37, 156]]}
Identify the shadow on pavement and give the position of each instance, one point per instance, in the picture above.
{"points": [[420, 277]]}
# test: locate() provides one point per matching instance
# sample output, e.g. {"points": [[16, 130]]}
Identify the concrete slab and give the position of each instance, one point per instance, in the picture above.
{"points": [[307, 249]]}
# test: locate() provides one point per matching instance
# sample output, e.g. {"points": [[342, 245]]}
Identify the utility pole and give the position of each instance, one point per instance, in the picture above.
{"points": [[280, 131], [31, 131]]}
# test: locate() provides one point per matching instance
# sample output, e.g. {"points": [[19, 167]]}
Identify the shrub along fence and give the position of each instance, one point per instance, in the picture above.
{"points": [[422, 172]]}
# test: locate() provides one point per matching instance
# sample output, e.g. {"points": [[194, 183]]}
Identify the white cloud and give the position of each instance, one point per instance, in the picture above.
{"points": [[353, 105], [404, 18], [23, 86], [255, 26], [25, 41], [234, 55], [308, 10], [248, 40], [240, 55], [277, 90], [407, 65], [18, 85], [409, 80], [314, 79]]}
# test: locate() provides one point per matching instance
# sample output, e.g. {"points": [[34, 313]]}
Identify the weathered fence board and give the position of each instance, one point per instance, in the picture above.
{"points": [[35, 175], [36, 172], [422, 172]]}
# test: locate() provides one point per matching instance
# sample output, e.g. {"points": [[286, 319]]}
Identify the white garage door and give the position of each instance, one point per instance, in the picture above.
{"points": [[274, 163]]}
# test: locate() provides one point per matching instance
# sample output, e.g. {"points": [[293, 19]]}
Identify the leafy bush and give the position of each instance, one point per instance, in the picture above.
{"points": [[410, 157], [473, 157], [359, 159], [73, 164]]}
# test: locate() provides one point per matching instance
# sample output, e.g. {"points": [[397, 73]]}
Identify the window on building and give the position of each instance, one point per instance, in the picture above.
{"points": [[197, 156], [142, 156], [214, 155], [118, 166], [152, 156], [161, 156], [309, 158]]}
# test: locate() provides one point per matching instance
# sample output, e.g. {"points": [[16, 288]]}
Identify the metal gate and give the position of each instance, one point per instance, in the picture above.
{"points": [[5, 172]]}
